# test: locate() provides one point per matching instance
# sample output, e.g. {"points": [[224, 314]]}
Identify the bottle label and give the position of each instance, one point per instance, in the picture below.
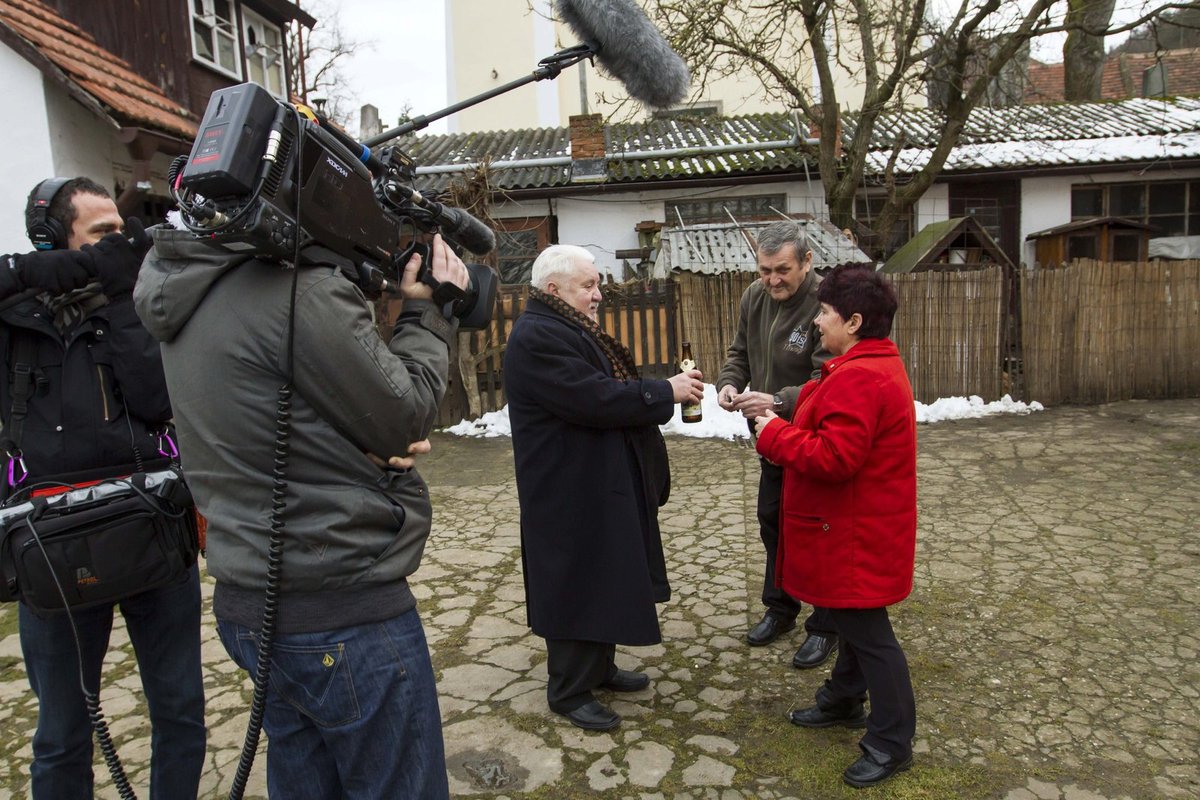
{"points": [[689, 412]]}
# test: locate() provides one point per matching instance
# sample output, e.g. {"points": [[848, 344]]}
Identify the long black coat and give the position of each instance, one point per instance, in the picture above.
{"points": [[591, 471]]}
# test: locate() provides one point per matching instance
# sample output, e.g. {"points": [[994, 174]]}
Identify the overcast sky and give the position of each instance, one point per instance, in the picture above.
{"points": [[402, 56]]}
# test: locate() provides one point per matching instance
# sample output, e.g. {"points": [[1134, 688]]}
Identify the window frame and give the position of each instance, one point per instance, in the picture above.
{"points": [[215, 28], [777, 200], [1189, 212], [251, 19]]}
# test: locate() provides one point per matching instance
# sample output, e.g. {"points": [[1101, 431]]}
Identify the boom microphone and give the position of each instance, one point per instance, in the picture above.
{"points": [[630, 47]]}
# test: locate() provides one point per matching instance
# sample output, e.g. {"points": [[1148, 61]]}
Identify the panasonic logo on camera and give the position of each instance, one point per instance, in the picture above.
{"points": [[344, 172]]}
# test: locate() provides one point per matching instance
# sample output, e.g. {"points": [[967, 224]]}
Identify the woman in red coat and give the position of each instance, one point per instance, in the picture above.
{"points": [[849, 515]]}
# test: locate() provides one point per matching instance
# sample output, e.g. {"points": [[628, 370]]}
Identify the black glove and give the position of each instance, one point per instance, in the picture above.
{"points": [[55, 271], [118, 257]]}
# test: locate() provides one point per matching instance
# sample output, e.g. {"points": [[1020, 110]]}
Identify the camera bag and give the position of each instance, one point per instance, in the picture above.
{"points": [[97, 543]]}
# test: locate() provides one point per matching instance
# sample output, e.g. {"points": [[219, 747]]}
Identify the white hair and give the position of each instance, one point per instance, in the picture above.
{"points": [[556, 260]]}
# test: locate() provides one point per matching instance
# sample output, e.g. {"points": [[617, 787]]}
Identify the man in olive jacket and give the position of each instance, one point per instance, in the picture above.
{"points": [[352, 708], [775, 352], [591, 471]]}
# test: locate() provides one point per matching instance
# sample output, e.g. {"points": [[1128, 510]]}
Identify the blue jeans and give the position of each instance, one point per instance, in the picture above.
{"points": [[164, 627], [351, 713]]}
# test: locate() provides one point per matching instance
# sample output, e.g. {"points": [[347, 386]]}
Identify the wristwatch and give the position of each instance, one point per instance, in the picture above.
{"points": [[777, 403]]}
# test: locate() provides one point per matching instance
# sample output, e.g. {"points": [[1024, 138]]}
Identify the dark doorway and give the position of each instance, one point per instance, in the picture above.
{"points": [[996, 205]]}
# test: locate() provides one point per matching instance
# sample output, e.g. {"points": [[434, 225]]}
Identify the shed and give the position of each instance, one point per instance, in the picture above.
{"points": [[1102, 238], [954, 244]]}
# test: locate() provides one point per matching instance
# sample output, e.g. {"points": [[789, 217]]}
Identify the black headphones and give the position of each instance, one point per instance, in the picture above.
{"points": [[45, 231]]}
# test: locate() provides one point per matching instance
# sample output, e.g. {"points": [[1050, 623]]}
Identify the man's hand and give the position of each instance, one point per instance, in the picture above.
{"points": [[55, 271], [761, 421], [117, 258], [403, 462], [726, 397], [687, 386], [752, 404], [447, 267]]}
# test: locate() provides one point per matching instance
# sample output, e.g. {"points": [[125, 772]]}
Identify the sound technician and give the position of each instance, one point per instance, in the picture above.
{"points": [[84, 395], [352, 708]]}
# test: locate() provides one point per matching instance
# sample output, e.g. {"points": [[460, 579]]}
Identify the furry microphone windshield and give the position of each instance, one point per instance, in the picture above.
{"points": [[630, 47]]}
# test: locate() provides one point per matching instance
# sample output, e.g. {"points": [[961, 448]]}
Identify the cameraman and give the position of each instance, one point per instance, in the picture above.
{"points": [[91, 401], [352, 708]]}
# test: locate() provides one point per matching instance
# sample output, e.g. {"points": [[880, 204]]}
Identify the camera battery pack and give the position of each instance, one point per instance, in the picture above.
{"points": [[227, 156]]}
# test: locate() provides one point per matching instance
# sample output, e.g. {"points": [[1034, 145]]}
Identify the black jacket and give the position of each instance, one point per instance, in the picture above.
{"points": [[100, 397], [591, 470]]}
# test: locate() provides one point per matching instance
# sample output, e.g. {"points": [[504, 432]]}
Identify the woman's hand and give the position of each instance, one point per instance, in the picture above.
{"points": [[762, 419]]}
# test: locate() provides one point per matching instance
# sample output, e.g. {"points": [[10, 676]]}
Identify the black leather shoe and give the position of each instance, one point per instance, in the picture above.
{"points": [[593, 717], [815, 651], [768, 630], [873, 767], [626, 681], [814, 717]]}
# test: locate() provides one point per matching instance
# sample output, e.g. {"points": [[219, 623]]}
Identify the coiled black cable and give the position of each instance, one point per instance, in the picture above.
{"points": [[262, 670], [91, 699], [283, 428]]}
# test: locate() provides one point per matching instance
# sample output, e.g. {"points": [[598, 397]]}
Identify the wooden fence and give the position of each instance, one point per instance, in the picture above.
{"points": [[708, 310], [950, 329], [1085, 333], [1095, 332], [641, 315]]}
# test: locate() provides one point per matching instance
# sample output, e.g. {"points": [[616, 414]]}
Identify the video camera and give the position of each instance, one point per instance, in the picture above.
{"points": [[272, 179]]}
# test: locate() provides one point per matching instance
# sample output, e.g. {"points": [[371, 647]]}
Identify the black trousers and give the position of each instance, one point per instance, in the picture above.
{"points": [[871, 664], [576, 668], [778, 602]]}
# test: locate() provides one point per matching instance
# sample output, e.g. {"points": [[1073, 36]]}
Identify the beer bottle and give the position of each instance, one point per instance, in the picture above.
{"points": [[689, 412]]}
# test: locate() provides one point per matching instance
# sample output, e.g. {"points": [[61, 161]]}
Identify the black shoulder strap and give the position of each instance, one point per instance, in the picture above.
{"points": [[23, 387]]}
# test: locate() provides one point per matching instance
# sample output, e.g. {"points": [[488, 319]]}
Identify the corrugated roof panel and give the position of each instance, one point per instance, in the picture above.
{"points": [[98, 72]]}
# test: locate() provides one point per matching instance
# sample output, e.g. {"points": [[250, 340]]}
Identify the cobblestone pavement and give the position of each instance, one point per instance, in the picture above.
{"points": [[1053, 633]]}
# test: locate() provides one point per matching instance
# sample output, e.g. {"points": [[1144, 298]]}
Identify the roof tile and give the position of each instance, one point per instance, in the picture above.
{"points": [[128, 96]]}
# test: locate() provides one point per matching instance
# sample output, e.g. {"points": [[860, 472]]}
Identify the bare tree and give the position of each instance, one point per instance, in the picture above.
{"points": [[316, 59], [806, 53], [1083, 52]]}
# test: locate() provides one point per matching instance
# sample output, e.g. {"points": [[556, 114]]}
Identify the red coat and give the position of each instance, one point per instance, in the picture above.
{"points": [[849, 504]]}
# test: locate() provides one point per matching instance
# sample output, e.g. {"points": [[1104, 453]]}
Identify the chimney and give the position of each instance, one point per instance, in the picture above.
{"points": [[588, 164], [814, 131]]}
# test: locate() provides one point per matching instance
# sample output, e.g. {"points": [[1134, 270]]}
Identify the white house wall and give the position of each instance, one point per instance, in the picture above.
{"points": [[604, 222], [25, 138], [1046, 202], [81, 141]]}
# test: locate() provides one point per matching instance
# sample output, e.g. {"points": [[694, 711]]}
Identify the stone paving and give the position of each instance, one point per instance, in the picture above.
{"points": [[1053, 634]]}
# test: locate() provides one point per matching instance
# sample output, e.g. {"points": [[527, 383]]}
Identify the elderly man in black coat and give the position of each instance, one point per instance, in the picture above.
{"points": [[592, 472]]}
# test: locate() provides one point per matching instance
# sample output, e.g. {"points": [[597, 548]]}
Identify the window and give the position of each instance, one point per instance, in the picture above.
{"points": [[718, 209], [264, 53], [1172, 207], [518, 242], [214, 35]]}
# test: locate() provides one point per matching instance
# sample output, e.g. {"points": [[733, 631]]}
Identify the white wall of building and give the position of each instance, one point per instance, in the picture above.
{"points": [[81, 141], [934, 206], [25, 139], [1046, 202], [604, 222]]}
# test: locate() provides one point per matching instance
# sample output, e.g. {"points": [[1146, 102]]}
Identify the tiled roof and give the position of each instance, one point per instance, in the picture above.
{"points": [[1021, 136], [498, 147], [640, 151], [128, 97], [1122, 76], [1064, 134]]}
